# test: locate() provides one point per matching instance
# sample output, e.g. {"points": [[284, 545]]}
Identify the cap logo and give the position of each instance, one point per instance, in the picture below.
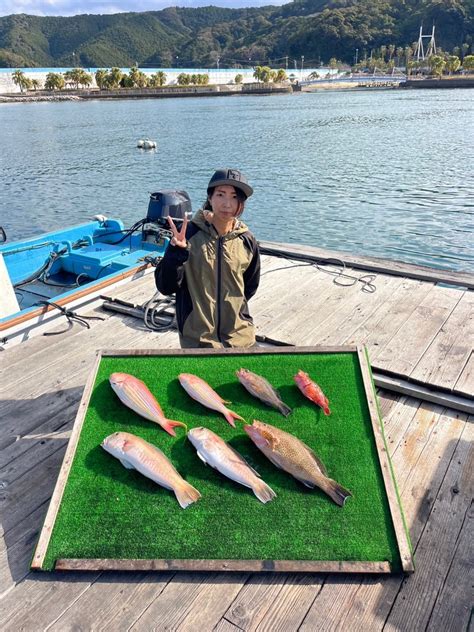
{"points": [[233, 175]]}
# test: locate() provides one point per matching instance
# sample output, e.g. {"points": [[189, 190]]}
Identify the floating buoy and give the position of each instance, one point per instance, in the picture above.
{"points": [[146, 144]]}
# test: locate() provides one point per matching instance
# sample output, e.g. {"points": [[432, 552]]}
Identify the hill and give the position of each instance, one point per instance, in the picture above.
{"points": [[317, 29]]}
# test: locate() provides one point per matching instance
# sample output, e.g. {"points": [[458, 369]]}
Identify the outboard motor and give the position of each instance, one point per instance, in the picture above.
{"points": [[164, 204]]}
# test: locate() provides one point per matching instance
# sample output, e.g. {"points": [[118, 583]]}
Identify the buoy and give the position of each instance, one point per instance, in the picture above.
{"points": [[146, 144]]}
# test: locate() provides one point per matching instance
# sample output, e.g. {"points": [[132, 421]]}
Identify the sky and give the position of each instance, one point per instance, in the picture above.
{"points": [[76, 7]]}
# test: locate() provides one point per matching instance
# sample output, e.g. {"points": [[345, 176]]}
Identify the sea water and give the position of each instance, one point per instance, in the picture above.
{"points": [[384, 173]]}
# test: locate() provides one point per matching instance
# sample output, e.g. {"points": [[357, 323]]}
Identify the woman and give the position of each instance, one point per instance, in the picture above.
{"points": [[213, 266]]}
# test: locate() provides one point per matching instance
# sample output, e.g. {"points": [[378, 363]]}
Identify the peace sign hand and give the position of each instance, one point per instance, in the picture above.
{"points": [[179, 236]]}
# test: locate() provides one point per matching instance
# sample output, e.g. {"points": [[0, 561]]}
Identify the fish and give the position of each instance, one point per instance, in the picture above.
{"points": [[136, 453], [200, 390], [293, 456], [261, 388], [214, 451], [135, 394], [312, 391]]}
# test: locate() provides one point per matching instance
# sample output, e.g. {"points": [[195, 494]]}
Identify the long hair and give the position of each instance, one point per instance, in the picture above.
{"points": [[241, 197]]}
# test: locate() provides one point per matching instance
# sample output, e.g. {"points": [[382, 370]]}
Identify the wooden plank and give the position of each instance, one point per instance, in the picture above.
{"points": [[269, 566], [371, 263], [254, 601], [113, 602], [289, 610], [465, 382], [402, 353], [32, 600], [380, 328], [445, 358], [434, 553], [28, 492], [214, 598], [449, 614], [399, 526], [46, 531], [17, 549]]}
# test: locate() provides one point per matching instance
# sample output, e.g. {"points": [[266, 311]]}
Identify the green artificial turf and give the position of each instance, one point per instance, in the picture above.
{"points": [[108, 511]]}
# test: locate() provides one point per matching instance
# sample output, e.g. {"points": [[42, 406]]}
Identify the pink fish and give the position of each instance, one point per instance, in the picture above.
{"points": [[200, 390], [312, 391], [135, 394]]}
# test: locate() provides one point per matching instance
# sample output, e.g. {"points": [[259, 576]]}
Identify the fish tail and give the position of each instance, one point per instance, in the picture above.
{"points": [[186, 494], [284, 409], [263, 492], [230, 416], [337, 492], [170, 424]]}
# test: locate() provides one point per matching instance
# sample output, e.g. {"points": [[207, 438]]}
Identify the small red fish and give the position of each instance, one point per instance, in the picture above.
{"points": [[312, 391]]}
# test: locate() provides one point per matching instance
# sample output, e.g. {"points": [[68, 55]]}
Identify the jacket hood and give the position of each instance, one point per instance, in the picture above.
{"points": [[200, 221]]}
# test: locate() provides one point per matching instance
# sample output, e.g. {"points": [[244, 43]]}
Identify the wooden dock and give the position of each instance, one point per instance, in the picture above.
{"points": [[418, 326]]}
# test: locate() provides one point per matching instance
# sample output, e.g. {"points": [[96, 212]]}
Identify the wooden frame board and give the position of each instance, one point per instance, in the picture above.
{"points": [[401, 532]]}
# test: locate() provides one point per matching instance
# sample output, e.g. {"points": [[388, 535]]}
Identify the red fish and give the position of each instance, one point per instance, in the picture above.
{"points": [[312, 391]]}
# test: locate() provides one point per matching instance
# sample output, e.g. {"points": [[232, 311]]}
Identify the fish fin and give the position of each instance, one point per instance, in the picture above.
{"points": [[326, 410], [337, 492], [126, 464], [169, 424], [284, 409], [230, 416], [186, 494], [263, 492]]}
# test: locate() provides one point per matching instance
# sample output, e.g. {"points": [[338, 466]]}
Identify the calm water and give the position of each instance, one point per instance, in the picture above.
{"points": [[386, 173]]}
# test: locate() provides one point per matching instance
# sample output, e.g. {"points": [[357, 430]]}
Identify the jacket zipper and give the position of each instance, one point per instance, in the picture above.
{"points": [[220, 245]]}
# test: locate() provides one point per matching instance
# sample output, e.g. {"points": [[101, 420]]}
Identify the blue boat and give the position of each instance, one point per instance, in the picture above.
{"points": [[48, 276]]}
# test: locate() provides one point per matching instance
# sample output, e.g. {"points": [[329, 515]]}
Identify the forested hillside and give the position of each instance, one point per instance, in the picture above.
{"points": [[315, 29]]}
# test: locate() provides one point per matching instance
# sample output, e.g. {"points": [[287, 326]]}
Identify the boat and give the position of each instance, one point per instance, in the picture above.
{"points": [[56, 273]]}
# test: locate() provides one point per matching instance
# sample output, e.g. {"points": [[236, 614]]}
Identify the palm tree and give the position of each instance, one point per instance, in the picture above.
{"points": [[468, 63], [158, 79], [453, 63], [35, 84], [54, 81], [281, 75], [21, 80], [115, 77], [101, 79], [437, 64], [258, 73], [78, 76]]}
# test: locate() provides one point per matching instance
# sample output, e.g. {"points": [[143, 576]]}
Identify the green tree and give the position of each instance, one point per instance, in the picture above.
{"points": [[114, 78], [453, 63], [183, 79], [258, 73], [238, 78], [101, 78], [78, 77], [54, 81], [158, 79], [204, 80], [138, 79], [468, 63], [35, 84], [436, 64], [21, 80], [332, 63], [280, 75]]}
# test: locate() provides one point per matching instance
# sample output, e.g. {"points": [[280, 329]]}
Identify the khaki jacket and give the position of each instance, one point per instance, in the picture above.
{"points": [[213, 279]]}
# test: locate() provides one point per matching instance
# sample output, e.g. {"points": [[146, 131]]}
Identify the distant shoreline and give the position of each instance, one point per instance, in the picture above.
{"points": [[150, 93]]}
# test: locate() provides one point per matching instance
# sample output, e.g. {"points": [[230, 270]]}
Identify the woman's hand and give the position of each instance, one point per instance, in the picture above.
{"points": [[179, 236]]}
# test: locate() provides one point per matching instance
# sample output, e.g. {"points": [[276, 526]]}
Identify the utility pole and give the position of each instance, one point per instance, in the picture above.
{"points": [[286, 62], [218, 60], [302, 63], [356, 56]]}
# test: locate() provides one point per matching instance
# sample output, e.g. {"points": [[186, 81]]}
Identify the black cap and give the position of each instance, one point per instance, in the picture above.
{"points": [[232, 177]]}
